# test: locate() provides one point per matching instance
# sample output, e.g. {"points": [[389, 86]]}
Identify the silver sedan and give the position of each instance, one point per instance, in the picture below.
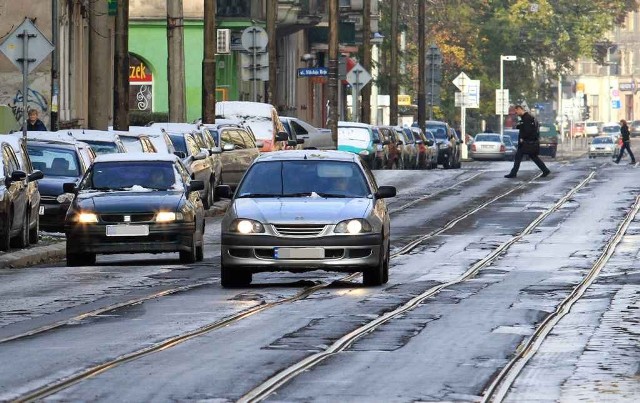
{"points": [[488, 146], [306, 210]]}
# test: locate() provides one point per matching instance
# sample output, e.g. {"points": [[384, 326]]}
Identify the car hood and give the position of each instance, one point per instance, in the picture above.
{"points": [[128, 202], [52, 185], [306, 210]]}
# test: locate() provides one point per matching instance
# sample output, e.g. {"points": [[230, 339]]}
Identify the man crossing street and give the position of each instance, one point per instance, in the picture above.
{"points": [[528, 143]]}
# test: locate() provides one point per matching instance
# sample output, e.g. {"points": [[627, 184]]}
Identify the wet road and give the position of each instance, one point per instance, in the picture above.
{"points": [[500, 256]]}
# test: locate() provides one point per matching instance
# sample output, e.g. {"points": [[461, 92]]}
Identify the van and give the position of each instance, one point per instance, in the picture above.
{"points": [[262, 119]]}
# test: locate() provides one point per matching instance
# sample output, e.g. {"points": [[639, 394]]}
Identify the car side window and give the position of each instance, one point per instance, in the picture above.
{"points": [[298, 128], [247, 138], [235, 138], [208, 138], [192, 145]]}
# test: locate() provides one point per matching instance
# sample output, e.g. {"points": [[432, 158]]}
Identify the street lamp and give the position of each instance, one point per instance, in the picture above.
{"points": [[502, 60]]}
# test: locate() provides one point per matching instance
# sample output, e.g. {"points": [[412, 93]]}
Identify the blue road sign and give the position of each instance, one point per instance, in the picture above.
{"points": [[313, 72], [616, 104]]}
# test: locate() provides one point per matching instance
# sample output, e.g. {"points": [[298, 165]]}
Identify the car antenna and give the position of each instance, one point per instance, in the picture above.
{"points": [[305, 156]]}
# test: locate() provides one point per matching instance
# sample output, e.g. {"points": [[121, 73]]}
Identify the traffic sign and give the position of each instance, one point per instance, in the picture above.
{"points": [[254, 39], [616, 104], [313, 72], [254, 68], [502, 102], [358, 77], [39, 46], [461, 81]]}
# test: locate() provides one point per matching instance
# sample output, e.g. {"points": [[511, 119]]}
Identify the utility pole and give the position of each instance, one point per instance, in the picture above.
{"points": [[272, 15], [121, 70], [365, 115], [209, 63], [422, 48], [100, 73], [393, 85], [175, 61], [55, 66], [332, 96]]}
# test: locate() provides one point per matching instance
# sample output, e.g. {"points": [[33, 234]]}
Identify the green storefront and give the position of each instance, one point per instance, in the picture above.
{"points": [[148, 43]]}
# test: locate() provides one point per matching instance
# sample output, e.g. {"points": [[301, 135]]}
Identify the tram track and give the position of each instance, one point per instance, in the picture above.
{"points": [[57, 386]]}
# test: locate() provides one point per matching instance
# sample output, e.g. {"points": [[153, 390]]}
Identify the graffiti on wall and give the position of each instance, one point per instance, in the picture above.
{"points": [[35, 100]]}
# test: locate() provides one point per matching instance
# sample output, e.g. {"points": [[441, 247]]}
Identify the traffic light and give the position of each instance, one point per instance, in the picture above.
{"points": [[586, 113]]}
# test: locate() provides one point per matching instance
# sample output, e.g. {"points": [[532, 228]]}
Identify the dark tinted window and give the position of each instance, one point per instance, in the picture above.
{"points": [[103, 147], [54, 161], [439, 131], [179, 143], [134, 175]]}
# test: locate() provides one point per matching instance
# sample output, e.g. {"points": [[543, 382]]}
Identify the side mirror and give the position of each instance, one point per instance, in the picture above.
{"points": [[292, 143], [259, 143], [35, 175], [201, 155], [215, 150], [69, 187], [228, 147], [282, 136], [194, 186], [180, 154], [300, 141], [17, 176], [386, 191], [224, 191]]}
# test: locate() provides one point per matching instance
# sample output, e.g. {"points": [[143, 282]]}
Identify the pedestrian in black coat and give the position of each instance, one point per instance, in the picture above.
{"points": [[33, 123], [626, 141], [528, 143]]}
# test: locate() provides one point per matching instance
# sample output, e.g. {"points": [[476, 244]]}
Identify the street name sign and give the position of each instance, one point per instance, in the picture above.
{"points": [[313, 72]]}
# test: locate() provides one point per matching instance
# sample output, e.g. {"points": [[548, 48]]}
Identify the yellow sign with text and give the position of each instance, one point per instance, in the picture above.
{"points": [[404, 99]]}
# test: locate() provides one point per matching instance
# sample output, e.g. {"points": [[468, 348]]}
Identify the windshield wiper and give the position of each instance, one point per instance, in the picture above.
{"points": [[247, 195]]}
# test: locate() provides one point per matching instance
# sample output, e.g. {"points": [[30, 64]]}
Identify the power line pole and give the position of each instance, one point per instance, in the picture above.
{"points": [[209, 63], [365, 115], [422, 93], [272, 14], [393, 84], [55, 66], [175, 61], [332, 95], [121, 70], [99, 71]]}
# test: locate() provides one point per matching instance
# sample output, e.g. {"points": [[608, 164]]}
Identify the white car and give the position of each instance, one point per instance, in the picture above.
{"points": [[314, 138], [602, 146], [592, 129]]}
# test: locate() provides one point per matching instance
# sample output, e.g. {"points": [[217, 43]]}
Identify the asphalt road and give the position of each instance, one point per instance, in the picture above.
{"points": [[479, 263]]}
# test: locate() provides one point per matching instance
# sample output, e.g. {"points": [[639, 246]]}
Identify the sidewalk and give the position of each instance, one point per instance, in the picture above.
{"points": [[52, 249]]}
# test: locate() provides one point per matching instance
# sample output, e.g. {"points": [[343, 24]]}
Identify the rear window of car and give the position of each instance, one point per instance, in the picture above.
{"points": [[611, 129], [439, 131], [54, 161], [103, 147], [304, 179], [488, 137]]}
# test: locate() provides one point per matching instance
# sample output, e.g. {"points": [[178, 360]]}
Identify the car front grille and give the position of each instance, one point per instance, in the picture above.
{"points": [[49, 199], [118, 218], [299, 230]]}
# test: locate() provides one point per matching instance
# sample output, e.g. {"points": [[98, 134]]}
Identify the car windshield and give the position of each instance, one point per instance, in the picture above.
{"points": [[103, 147], [132, 144], [53, 161], [304, 179], [488, 137], [603, 140], [439, 131], [611, 129], [354, 136], [132, 175]]}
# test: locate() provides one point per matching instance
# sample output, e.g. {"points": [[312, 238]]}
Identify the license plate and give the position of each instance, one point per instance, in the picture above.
{"points": [[486, 146], [299, 253], [127, 230], [41, 210]]}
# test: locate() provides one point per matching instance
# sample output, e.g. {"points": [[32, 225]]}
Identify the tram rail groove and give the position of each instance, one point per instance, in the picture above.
{"points": [[57, 386], [499, 387], [272, 384]]}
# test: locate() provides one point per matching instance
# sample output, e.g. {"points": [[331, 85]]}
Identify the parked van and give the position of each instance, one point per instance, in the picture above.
{"points": [[262, 119], [358, 138]]}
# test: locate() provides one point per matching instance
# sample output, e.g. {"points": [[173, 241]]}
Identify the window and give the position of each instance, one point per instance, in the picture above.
{"points": [[53, 161]]}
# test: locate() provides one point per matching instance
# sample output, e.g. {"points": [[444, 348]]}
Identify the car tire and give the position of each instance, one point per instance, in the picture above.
{"points": [[200, 248], [208, 201], [385, 270], [189, 256], [234, 278], [374, 276], [447, 163], [213, 191], [34, 232], [80, 259], [22, 240], [5, 234]]}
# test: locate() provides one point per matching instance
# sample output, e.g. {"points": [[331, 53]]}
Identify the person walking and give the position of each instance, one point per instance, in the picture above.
{"points": [[528, 143], [33, 123], [626, 141]]}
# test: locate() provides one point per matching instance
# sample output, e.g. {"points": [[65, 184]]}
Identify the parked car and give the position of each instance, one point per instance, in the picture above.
{"points": [[60, 162], [424, 153], [102, 142], [431, 138], [488, 146], [301, 211], [239, 150], [634, 128], [603, 146], [392, 146], [611, 129], [205, 165], [264, 121], [136, 142], [33, 192], [158, 137], [380, 158], [409, 148], [314, 137], [578, 129], [514, 135], [449, 145], [358, 138], [510, 148], [135, 203], [592, 129], [548, 139]]}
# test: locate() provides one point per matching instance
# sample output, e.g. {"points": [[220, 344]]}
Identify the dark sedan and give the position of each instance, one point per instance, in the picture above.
{"points": [[135, 203]]}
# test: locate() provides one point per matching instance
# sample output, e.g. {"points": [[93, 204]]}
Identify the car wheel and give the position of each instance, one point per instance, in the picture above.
{"points": [[189, 256], [213, 190], [80, 259], [33, 232], [233, 278], [5, 235], [385, 272], [22, 240], [374, 276], [200, 249], [208, 201], [447, 163]]}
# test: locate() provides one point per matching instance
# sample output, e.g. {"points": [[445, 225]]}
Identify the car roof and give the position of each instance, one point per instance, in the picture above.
{"points": [[13, 141], [97, 135], [298, 155], [54, 143], [246, 109], [353, 124], [135, 156]]}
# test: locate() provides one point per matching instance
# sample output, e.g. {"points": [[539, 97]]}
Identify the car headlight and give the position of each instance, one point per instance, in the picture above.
{"points": [[87, 218], [168, 216], [592, 149], [364, 153], [444, 145], [65, 198], [245, 226], [355, 226]]}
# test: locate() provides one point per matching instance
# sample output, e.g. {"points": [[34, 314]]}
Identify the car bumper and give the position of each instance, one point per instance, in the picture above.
{"points": [[443, 156], [162, 238], [52, 217], [488, 156], [601, 153], [259, 253]]}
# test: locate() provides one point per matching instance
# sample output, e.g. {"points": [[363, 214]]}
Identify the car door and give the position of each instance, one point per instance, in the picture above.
{"points": [[16, 190], [236, 161], [200, 168]]}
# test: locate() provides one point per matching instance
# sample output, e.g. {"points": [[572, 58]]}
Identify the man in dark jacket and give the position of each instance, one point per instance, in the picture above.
{"points": [[528, 143], [624, 131], [33, 123]]}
